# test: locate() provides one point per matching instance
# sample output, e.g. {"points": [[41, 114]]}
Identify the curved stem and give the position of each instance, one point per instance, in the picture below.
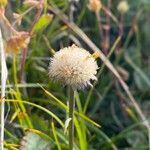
{"points": [[4, 74]]}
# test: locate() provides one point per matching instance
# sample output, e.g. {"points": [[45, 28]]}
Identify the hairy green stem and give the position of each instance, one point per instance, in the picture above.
{"points": [[71, 124]]}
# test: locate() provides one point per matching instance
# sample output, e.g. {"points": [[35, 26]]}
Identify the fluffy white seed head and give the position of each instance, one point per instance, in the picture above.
{"points": [[73, 66]]}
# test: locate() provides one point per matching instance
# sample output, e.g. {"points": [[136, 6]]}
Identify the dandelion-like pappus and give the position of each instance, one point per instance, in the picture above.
{"points": [[73, 66]]}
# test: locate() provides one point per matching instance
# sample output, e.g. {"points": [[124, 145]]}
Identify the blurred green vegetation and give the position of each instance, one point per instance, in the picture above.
{"points": [[121, 127]]}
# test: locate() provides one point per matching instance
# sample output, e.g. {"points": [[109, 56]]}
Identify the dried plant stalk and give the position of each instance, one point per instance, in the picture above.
{"points": [[4, 73]]}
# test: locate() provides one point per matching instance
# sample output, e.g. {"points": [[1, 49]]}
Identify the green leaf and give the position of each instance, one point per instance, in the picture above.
{"points": [[33, 141], [43, 22]]}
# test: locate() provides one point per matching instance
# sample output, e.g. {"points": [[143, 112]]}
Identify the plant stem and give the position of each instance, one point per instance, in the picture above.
{"points": [[98, 17], [4, 74], [2, 124], [71, 124], [23, 60]]}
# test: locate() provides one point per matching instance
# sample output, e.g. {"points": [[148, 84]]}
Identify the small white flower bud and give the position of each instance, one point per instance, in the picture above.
{"points": [[123, 7]]}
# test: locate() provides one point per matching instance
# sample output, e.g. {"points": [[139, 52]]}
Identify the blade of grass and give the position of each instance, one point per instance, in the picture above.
{"points": [[82, 140], [80, 125], [18, 95], [24, 85], [78, 102], [37, 106], [42, 134], [55, 136], [12, 136]]}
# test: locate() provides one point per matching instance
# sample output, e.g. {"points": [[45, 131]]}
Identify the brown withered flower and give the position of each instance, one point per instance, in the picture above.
{"points": [[17, 42], [3, 4], [95, 5]]}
